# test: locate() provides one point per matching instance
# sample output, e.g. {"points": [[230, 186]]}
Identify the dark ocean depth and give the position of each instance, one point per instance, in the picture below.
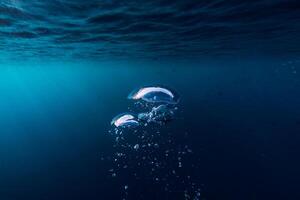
{"points": [[68, 66]]}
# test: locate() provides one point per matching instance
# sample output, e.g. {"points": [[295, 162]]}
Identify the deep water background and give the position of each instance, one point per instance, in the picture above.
{"points": [[242, 119]]}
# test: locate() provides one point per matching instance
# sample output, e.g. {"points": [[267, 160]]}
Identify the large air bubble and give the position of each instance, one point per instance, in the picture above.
{"points": [[155, 94], [125, 120]]}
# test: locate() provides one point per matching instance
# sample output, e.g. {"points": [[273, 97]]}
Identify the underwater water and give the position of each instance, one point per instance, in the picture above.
{"points": [[191, 100], [242, 125]]}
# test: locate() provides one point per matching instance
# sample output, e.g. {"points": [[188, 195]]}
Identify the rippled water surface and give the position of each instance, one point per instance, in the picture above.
{"points": [[152, 29]]}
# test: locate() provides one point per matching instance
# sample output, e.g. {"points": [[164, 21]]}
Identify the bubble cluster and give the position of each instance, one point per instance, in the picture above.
{"points": [[146, 153], [160, 102], [158, 114]]}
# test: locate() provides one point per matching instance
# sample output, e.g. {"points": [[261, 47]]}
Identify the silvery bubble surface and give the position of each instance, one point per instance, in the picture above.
{"points": [[155, 94], [125, 120]]}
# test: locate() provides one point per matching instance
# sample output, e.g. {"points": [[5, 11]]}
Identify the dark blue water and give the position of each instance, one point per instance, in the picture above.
{"points": [[243, 126], [67, 67], [99, 29]]}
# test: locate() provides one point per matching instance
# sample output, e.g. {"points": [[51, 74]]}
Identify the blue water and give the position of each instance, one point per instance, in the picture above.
{"points": [[243, 125], [67, 68]]}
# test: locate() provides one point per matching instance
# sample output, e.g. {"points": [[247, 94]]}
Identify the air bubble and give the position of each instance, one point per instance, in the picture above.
{"points": [[136, 147], [125, 120], [155, 94]]}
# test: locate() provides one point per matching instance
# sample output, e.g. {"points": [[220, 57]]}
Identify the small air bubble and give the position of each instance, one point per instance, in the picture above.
{"points": [[136, 147]]}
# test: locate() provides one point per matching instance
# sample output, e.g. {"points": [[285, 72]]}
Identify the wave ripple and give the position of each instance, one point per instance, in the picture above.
{"points": [[154, 28]]}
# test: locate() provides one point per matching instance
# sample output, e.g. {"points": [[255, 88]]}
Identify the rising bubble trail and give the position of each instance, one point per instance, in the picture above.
{"points": [[148, 155]]}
